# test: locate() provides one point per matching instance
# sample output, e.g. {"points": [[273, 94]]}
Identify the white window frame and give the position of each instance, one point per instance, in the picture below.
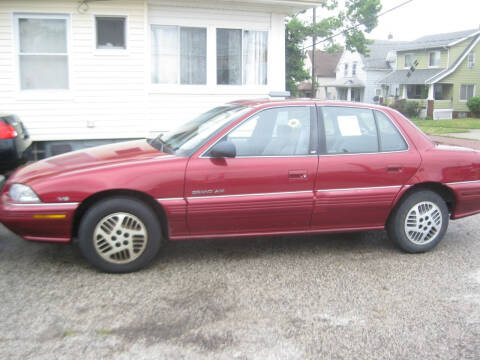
{"points": [[439, 58], [471, 60], [115, 51], [178, 83], [405, 65], [211, 86], [460, 92], [38, 94], [354, 68], [345, 70], [241, 75]]}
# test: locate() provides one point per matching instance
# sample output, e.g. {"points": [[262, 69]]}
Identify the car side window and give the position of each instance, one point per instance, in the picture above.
{"points": [[349, 130], [390, 137], [274, 132]]}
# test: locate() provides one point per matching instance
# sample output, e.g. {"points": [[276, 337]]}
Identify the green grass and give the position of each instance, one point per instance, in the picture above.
{"points": [[438, 127]]}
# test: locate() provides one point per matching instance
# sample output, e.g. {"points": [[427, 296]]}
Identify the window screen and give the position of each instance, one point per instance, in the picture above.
{"points": [[110, 32], [179, 55], [43, 52], [242, 57]]}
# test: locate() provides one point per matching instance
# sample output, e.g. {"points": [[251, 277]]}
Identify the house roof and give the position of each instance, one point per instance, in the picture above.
{"points": [[378, 51], [325, 62], [457, 62], [419, 76], [440, 40]]}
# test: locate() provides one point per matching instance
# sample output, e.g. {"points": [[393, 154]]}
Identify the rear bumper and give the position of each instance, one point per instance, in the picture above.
{"points": [[39, 222]]}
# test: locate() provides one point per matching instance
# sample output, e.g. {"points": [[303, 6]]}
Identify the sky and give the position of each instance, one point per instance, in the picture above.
{"points": [[426, 17], [423, 17]]}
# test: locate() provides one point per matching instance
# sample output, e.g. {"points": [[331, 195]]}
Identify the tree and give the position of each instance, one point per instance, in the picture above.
{"points": [[352, 21]]}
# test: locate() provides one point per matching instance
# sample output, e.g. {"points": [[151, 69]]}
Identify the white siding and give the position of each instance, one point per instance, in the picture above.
{"points": [[112, 91], [106, 90], [371, 85]]}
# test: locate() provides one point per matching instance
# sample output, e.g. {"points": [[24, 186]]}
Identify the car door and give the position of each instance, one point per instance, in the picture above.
{"points": [[267, 187], [364, 162]]}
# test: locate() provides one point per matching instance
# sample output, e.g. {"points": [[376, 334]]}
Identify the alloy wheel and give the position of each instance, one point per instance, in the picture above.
{"points": [[120, 238], [423, 223]]}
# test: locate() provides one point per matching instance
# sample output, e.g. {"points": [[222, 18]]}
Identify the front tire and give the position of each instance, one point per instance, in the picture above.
{"points": [[420, 222], [120, 235]]}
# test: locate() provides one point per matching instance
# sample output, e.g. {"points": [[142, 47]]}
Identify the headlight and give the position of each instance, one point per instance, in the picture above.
{"points": [[22, 193]]}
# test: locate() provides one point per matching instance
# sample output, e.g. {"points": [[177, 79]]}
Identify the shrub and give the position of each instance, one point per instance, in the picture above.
{"points": [[474, 105], [407, 108]]}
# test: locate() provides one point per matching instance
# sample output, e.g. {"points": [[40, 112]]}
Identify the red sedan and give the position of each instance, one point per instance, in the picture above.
{"points": [[248, 168]]}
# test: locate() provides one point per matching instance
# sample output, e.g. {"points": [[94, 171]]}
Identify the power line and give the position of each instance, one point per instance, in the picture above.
{"points": [[357, 25]]}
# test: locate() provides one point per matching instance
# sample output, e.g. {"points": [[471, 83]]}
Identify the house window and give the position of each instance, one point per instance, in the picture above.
{"points": [[242, 57], [442, 91], [408, 60], [345, 70], [42, 51], [179, 55], [354, 69], [111, 32], [471, 60], [417, 92], [434, 59], [467, 92]]}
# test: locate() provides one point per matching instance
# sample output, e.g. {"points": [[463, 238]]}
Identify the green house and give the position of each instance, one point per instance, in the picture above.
{"points": [[440, 71]]}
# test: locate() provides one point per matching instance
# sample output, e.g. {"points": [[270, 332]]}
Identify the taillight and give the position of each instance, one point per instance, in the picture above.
{"points": [[7, 131]]}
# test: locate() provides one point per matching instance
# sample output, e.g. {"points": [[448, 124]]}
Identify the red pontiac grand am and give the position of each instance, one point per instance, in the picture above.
{"points": [[248, 168]]}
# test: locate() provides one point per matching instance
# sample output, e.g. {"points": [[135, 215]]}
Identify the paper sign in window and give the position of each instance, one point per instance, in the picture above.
{"points": [[349, 126]]}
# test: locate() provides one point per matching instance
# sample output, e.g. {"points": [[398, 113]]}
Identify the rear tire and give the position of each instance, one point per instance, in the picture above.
{"points": [[420, 222], [120, 235]]}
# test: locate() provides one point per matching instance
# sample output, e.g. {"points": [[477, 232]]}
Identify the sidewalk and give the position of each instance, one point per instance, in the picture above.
{"points": [[474, 144]]}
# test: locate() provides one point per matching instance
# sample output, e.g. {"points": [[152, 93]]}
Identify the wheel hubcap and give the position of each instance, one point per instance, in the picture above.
{"points": [[423, 223], [120, 238]]}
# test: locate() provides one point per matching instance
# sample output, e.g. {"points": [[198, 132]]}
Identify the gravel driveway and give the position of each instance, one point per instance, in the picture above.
{"points": [[350, 296]]}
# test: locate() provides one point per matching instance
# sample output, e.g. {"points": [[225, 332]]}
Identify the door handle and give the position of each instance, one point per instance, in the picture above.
{"points": [[394, 168], [297, 174]]}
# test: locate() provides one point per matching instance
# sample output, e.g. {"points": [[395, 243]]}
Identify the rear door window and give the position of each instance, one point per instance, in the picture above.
{"points": [[390, 137], [349, 130]]}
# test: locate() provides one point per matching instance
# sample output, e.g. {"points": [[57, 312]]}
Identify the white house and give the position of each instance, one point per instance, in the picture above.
{"points": [[81, 72], [325, 73], [358, 76]]}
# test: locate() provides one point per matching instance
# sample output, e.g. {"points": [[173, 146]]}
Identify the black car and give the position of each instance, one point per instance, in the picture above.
{"points": [[14, 142]]}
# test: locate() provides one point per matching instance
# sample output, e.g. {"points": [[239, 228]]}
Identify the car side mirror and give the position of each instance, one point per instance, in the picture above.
{"points": [[224, 149]]}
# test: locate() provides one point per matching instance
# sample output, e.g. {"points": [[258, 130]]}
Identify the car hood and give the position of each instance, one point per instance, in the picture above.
{"points": [[118, 153]]}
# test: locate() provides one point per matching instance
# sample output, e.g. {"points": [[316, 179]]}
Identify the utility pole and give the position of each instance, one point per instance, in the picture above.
{"points": [[314, 39]]}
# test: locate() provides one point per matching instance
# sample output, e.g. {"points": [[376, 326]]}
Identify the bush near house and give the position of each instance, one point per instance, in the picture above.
{"points": [[409, 109], [474, 105]]}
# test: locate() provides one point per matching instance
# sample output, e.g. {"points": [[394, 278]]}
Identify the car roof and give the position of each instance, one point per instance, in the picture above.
{"points": [[289, 102]]}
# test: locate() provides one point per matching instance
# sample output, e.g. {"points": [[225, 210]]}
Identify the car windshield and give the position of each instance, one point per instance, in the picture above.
{"points": [[186, 139]]}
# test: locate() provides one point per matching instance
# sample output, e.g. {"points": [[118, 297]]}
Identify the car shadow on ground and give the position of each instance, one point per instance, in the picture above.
{"points": [[371, 243]]}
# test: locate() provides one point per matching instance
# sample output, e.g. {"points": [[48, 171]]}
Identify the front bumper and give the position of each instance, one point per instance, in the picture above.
{"points": [[50, 222]]}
